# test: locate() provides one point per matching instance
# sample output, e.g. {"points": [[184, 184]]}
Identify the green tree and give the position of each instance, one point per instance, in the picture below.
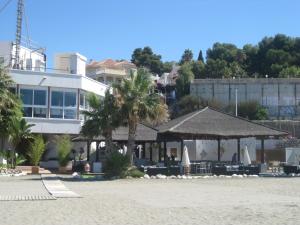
{"points": [[146, 58], [103, 118], [200, 56], [186, 57], [37, 150], [185, 105], [168, 66], [217, 69], [10, 106], [64, 146], [185, 76], [138, 103], [21, 136], [292, 71], [198, 69]]}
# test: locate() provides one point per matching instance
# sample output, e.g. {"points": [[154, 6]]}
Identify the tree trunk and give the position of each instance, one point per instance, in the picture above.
{"points": [[108, 141], [131, 140]]}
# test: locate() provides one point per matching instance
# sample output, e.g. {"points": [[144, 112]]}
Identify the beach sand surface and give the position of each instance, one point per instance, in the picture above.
{"points": [[153, 202]]}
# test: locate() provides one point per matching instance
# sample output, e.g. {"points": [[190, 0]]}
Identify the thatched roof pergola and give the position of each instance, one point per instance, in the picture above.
{"points": [[214, 125]]}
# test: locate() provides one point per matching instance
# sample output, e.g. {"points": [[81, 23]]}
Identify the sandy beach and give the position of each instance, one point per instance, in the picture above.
{"points": [[203, 201]]}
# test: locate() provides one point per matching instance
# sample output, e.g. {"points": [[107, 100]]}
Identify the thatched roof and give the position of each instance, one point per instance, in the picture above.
{"points": [[144, 133], [212, 124]]}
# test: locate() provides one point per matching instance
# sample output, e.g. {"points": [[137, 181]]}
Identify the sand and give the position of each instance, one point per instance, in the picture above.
{"points": [[142, 202]]}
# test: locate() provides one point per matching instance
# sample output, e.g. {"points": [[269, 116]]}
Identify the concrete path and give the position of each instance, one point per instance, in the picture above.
{"points": [[56, 188], [23, 188]]}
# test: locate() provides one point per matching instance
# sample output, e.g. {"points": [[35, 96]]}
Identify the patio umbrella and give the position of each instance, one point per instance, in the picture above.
{"points": [[247, 160], [185, 158]]}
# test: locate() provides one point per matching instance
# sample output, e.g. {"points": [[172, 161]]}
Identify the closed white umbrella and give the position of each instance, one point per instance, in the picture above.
{"points": [[247, 160], [185, 158]]}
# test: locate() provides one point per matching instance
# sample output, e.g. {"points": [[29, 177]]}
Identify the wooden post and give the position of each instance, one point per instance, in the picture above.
{"points": [[151, 152], [181, 150], [143, 150], [239, 150], [219, 149], [88, 150], [97, 151], [262, 152], [165, 151], [159, 151]]}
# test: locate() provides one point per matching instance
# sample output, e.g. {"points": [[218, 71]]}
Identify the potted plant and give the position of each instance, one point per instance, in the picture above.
{"points": [[64, 146], [35, 153]]}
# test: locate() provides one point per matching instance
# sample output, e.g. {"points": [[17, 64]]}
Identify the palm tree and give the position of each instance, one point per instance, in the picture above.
{"points": [[10, 106], [139, 103], [103, 117], [21, 136]]}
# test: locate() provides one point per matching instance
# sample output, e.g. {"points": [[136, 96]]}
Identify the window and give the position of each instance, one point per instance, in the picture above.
{"points": [[83, 104], [63, 105], [34, 102]]}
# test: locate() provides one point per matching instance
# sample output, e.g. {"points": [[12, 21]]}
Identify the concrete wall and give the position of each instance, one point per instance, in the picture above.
{"points": [[281, 97]]}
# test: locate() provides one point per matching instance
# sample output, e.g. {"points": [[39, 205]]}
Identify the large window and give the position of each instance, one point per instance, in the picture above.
{"points": [[34, 102], [63, 105]]}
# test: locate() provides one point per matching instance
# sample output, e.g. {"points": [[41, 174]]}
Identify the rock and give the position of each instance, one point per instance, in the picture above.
{"points": [[228, 176], [205, 177], [173, 177], [221, 176], [179, 177], [146, 176], [160, 176], [189, 177], [183, 177], [75, 175], [153, 177]]}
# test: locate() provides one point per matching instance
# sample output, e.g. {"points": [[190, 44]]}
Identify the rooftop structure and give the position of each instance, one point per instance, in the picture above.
{"points": [[32, 59]]}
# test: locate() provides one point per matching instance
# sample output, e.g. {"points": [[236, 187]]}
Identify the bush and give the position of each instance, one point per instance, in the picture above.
{"points": [[116, 165], [36, 150], [64, 146], [134, 172]]}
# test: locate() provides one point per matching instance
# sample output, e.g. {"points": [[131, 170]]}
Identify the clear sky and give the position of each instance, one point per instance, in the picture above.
{"points": [[101, 29]]}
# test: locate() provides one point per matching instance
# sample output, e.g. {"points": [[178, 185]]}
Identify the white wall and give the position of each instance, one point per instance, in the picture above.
{"points": [[58, 80]]}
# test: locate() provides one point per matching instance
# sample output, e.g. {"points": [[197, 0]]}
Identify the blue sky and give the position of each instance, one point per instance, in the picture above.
{"points": [[102, 29]]}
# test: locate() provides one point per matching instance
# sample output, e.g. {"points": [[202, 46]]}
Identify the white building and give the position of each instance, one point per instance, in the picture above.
{"points": [[53, 102], [30, 59], [109, 71]]}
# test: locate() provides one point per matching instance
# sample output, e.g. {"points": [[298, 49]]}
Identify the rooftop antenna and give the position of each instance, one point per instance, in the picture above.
{"points": [[20, 11]]}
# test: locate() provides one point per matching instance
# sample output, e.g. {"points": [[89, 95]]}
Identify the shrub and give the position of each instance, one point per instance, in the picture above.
{"points": [[36, 150], [116, 165], [64, 146], [134, 172]]}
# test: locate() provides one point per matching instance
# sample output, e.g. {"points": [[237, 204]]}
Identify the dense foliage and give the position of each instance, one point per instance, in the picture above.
{"points": [[103, 117], [64, 146], [116, 165], [139, 103], [36, 151], [277, 56], [10, 106]]}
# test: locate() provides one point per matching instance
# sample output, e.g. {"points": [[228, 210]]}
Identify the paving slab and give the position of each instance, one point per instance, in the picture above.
{"points": [[56, 188], [23, 188]]}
